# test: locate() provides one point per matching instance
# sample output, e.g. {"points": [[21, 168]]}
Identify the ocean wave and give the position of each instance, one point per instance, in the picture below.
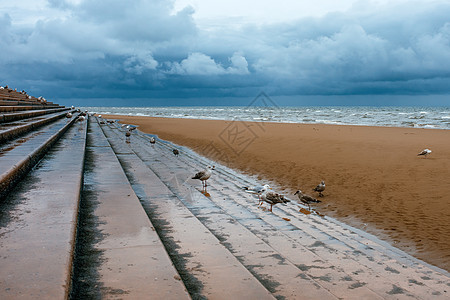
{"points": [[368, 116]]}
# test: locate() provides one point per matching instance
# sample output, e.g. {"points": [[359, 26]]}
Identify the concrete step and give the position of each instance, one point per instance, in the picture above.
{"points": [[208, 269], [38, 223], [386, 270], [15, 116], [21, 154], [12, 108], [15, 102], [132, 262], [12, 130]]}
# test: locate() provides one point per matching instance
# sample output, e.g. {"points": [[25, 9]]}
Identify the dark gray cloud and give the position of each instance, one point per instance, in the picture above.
{"points": [[142, 49]]}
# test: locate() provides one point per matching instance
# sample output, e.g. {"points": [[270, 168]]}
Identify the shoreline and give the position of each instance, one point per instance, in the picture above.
{"points": [[418, 117], [375, 181], [119, 116]]}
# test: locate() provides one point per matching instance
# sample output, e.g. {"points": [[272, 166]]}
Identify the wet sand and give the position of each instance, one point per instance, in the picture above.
{"points": [[375, 180]]}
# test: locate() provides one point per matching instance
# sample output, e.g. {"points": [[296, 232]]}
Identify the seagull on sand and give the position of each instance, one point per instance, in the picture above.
{"points": [[273, 198], [152, 140], [204, 175], [258, 190], [176, 152], [306, 199], [425, 152], [320, 188]]}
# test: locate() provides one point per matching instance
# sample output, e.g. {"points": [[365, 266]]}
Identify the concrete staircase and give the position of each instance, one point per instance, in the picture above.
{"points": [[98, 217]]}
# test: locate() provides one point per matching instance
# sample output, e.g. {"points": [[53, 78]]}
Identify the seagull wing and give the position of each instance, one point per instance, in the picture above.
{"points": [[199, 175]]}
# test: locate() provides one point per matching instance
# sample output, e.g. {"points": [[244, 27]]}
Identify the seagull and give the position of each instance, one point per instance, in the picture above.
{"points": [[204, 175], [425, 152], [127, 136], [273, 198], [152, 140], [320, 188], [176, 152], [258, 190], [306, 199], [131, 127], [81, 118], [68, 115]]}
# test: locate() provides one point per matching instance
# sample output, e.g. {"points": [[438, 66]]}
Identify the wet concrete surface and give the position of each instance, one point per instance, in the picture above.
{"points": [[132, 262], [10, 131], [21, 154], [87, 259], [13, 116], [38, 224], [208, 269]]}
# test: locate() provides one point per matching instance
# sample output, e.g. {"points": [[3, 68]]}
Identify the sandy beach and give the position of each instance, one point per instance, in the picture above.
{"points": [[375, 180]]}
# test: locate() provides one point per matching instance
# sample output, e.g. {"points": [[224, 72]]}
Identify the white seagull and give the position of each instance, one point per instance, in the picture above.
{"points": [[425, 152], [258, 190], [131, 127], [204, 175], [152, 140]]}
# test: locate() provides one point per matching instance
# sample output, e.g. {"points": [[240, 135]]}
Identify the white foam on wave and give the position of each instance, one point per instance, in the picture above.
{"points": [[329, 122]]}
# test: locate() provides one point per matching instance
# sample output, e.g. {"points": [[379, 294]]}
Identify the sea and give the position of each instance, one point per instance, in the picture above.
{"points": [[412, 117]]}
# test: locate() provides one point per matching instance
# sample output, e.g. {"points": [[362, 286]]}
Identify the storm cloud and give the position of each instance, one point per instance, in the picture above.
{"points": [[144, 49]]}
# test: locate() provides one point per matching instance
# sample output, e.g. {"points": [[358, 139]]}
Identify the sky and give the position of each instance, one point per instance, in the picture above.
{"points": [[203, 52]]}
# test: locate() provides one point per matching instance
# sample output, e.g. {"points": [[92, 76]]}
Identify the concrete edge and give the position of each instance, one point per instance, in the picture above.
{"points": [[22, 129], [74, 230], [9, 179], [15, 116]]}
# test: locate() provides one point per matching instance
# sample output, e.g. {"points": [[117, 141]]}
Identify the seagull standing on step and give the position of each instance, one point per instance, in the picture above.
{"points": [[320, 188], [176, 152], [425, 152], [131, 127], [152, 140], [305, 199], [258, 190], [273, 198], [127, 136], [204, 176]]}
